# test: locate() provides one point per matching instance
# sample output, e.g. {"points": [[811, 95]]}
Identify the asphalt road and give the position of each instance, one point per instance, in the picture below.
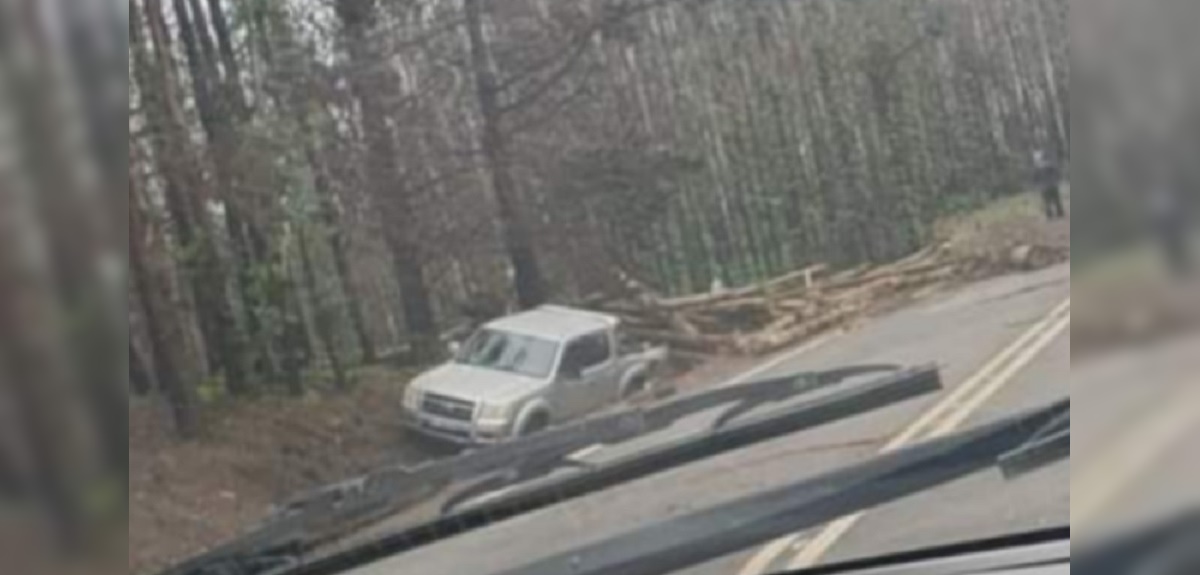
{"points": [[1138, 460], [1003, 346]]}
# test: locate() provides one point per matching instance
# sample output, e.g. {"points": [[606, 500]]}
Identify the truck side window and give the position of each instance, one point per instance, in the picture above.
{"points": [[587, 352], [602, 348]]}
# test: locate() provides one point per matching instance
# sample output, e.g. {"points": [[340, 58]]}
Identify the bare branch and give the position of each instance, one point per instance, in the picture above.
{"points": [[576, 50], [549, 82], [552, 111]]}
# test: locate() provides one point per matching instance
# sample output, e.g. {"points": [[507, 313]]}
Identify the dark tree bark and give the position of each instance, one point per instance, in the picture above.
{"points": [[369, 76], [100, 53], [80, 234], [139, 374], [37, 342], [326, 326], [203, 35], [35, 363], [233, 71], [201, 77], [13, 479], [296, 351], [219, 107], [338, 247], [185, 188], [530, 284], [151, 274]]}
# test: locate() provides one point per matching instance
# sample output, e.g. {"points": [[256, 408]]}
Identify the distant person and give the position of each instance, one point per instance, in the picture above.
{"points": [[1048, 178], [1170, 217]]}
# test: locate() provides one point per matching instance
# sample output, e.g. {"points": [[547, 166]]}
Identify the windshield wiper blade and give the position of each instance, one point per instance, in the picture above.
{"points": [[748, 397], [836, 406], [527, 461], [335, 511], [1049, 445], [696, 539]]}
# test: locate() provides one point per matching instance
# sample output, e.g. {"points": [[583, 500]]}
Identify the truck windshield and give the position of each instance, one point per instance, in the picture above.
{"points": [[509, 352]]}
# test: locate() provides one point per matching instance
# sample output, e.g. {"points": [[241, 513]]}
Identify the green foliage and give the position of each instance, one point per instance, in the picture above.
{"points": [[210, 391]]}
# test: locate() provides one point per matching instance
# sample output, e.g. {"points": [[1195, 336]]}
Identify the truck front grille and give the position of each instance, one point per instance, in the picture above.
{"points": [[448, 407]]}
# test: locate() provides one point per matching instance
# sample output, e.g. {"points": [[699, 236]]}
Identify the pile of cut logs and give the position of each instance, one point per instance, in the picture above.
{"points": [[767, 317]]}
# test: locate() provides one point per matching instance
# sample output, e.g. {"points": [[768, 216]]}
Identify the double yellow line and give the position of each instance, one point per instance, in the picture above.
{"points": [[944, 418]]}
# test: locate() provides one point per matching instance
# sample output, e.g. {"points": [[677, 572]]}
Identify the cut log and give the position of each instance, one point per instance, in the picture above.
{"points": [[800, 307], [706, 300], [806, 278], [756, 304], [883, 273], [766, 343], [710, 344], [782, 311], [680, 323]]}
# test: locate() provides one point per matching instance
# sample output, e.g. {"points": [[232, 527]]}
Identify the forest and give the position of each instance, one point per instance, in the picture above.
{"points": [[316, 185]]}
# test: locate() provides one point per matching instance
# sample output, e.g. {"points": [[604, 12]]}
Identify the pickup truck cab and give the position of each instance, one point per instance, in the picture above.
{"points": [[522, 374]]}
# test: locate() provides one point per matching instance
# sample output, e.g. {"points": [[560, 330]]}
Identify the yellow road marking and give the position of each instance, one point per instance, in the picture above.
{"points": [[962, 394], [1131, 458], [942, 419], [813, 554], [760, 563], [958, 419]]}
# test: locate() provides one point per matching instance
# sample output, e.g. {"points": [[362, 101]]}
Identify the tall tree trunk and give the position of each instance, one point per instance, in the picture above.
{"points": [[35, 363], [81, 242], [337, 241], [37, 342], [186, 196], [100, 53], [150, 270], [220, 108], [296, 352], [140, 381], [324, 312], [366, 344], [530, 285], [233, 71], [368, 78]]}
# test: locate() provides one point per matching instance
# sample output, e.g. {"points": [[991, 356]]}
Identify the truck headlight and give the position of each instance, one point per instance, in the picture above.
{"points": [[412, 399], [495, 412]]}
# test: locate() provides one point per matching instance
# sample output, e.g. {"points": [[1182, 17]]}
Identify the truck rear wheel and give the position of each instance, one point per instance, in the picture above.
{"points": [[636, 387]]}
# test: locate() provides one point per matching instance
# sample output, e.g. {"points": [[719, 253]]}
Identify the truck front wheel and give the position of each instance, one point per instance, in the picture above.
{"points": [[534, 425]]}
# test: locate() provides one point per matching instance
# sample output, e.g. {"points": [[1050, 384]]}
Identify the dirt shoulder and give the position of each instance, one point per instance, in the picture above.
{"points": [[1129, 298], [187, 497]]}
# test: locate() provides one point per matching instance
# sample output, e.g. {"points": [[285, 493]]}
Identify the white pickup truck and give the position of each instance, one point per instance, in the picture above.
{"points": [[522, 374]]}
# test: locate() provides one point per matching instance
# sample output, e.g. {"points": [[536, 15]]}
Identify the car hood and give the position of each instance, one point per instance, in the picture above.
{"points": [[475, 384]]}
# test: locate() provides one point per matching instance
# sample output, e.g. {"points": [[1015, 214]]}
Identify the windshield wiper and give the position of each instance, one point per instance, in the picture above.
{"points": [[334, 512], [527, 461], [696, 539], [1051, 443]]}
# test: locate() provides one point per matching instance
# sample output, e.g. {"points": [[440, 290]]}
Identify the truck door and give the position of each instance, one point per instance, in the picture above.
{"points": [[587, 376]]}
